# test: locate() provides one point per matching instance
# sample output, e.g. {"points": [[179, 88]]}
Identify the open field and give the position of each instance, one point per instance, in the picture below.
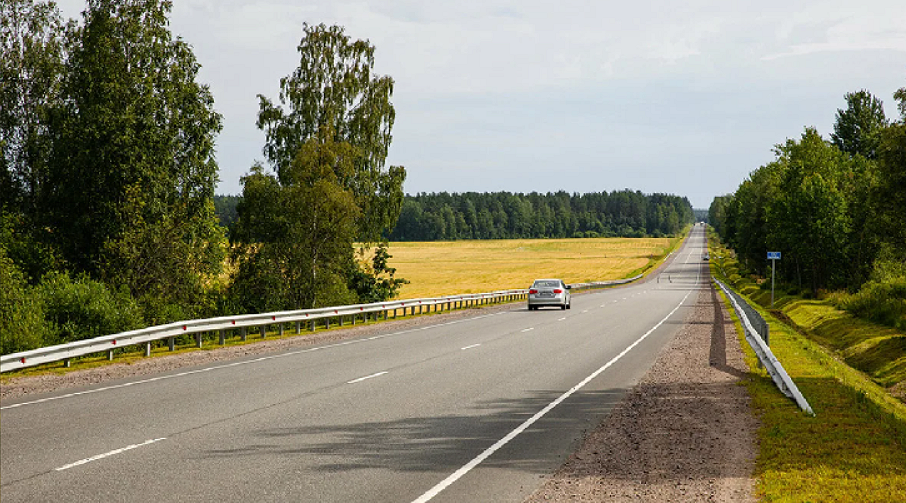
{"points": [[452, 267]]}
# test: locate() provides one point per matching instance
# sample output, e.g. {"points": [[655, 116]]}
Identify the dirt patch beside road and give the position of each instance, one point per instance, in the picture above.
{"points": [[684, 433]]}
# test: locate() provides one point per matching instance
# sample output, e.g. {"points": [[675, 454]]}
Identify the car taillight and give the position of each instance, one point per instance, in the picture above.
{"points": [[558, 291], [533, 291]]}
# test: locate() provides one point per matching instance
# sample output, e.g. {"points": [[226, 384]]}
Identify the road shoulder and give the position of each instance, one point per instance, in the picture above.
{"points": [[686, 432]]}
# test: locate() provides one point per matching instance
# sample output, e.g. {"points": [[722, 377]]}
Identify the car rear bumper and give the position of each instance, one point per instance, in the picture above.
{"points": [[547, 301]]}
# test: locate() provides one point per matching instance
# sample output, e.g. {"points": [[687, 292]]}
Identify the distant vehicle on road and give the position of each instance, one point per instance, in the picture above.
{"points": [[549, 292]]}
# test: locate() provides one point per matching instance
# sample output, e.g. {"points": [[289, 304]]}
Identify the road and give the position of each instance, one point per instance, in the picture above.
{"points": [[479, 409]]}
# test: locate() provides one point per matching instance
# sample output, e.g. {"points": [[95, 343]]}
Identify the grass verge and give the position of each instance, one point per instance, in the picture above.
{"points": [[854, 449]]}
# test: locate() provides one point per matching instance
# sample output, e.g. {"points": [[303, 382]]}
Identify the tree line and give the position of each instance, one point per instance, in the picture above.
{"points": [[107, 216], [505, 215], [834, 207]]}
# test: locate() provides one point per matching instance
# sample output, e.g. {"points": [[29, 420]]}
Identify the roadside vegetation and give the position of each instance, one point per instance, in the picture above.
{"points": [[107, 212], [834, 209], [854, 449]]}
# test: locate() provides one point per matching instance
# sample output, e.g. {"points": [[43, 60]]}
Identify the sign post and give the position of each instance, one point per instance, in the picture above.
{"points": [[773, 257]]}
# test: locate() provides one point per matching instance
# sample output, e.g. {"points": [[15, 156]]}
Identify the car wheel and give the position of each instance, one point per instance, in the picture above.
{"points": [[563, 307], [569, 306]]}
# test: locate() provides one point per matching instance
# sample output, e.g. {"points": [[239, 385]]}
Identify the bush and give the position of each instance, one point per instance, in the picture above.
{"points": [[883, 298], [22, 324], [83, 308], [882, 301]]}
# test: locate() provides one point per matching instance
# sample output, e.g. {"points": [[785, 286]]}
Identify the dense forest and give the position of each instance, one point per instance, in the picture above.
{"points": [[107, 209], [504, 215], [834, 207]]}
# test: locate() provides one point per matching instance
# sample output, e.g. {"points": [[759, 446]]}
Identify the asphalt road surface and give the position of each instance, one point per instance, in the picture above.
{"points": [[479, 409]]}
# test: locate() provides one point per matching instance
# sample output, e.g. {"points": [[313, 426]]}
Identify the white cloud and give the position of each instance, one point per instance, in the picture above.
{"points": [[615, 94]]}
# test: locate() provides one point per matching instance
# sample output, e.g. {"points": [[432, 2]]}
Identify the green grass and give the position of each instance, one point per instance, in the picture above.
{"points": [[854, 449], [876, 350]]}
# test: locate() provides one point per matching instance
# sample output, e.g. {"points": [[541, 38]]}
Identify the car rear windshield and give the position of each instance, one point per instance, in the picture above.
{"points": [[542, 284]]}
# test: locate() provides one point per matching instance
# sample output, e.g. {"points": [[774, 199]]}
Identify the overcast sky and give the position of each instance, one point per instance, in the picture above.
{"points": [[585, 96]]}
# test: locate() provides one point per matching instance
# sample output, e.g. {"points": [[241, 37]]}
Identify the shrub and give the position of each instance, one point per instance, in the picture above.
{"points": [[83, 308], [21, 310], [882, 301]]}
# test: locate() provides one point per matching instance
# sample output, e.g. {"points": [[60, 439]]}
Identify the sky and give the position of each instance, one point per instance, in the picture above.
{"points": [[684, 98]]}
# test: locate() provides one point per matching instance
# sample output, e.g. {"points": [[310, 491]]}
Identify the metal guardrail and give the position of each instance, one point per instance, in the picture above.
{"points": [[783, 381], [220, 325], [602, 284]]}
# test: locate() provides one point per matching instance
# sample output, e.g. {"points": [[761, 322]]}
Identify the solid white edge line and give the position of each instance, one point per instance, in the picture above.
{"points": [[108, 454], [528, 329], [235, 364], [372, 376], [458, 474], [470, 347]]}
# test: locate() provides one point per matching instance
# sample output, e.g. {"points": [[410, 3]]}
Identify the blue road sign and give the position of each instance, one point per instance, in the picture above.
{"points": [[773, 255]]}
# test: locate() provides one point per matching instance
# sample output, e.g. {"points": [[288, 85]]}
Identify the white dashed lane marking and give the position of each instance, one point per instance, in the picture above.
{"points": [[108, 454], [372, 376]]}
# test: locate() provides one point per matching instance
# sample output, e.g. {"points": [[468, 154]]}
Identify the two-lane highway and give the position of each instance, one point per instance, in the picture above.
{"points": [[477, 409]]}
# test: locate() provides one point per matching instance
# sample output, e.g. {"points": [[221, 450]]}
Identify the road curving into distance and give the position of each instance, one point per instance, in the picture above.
{"points": [[475, 409]]}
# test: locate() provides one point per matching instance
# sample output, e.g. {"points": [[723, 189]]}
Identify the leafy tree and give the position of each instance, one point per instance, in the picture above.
{"points": [[334, 89], [133, 155], [31, 64], [329, 187], [890, 195], [297, 232], [31, 68], [858, 127]]}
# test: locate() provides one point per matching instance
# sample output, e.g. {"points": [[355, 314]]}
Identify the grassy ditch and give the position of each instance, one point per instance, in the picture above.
{"points": [[854, 449], [876, 350]]}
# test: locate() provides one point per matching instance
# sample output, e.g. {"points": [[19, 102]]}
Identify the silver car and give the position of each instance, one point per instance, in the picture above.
{"points": [[549, 292]]}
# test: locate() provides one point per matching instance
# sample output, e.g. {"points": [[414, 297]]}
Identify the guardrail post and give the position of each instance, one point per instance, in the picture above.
{"points": [[147, 349], [67, 363], [327, 323], [281, 329], [385, 315], [244, 333], [110, 354], [222, 334], [198, 337], [171, 343], [311, 326], [354, 316], [263, 331], [298, 327]]}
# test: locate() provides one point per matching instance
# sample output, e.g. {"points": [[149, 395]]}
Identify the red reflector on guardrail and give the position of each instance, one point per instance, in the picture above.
{"points": [[185, 327], [22, 360], [114, 342], [234, 322], [274, 318]]}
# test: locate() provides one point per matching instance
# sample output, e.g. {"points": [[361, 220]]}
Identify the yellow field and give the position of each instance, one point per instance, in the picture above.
{"points": [[452, 267]]}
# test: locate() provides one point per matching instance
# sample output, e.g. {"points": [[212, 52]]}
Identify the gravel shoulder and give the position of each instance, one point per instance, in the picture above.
{"points": [[686, 432]]}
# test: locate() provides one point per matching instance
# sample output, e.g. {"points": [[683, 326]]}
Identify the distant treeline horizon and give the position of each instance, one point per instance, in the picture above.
{"points": [[505, 215]]}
